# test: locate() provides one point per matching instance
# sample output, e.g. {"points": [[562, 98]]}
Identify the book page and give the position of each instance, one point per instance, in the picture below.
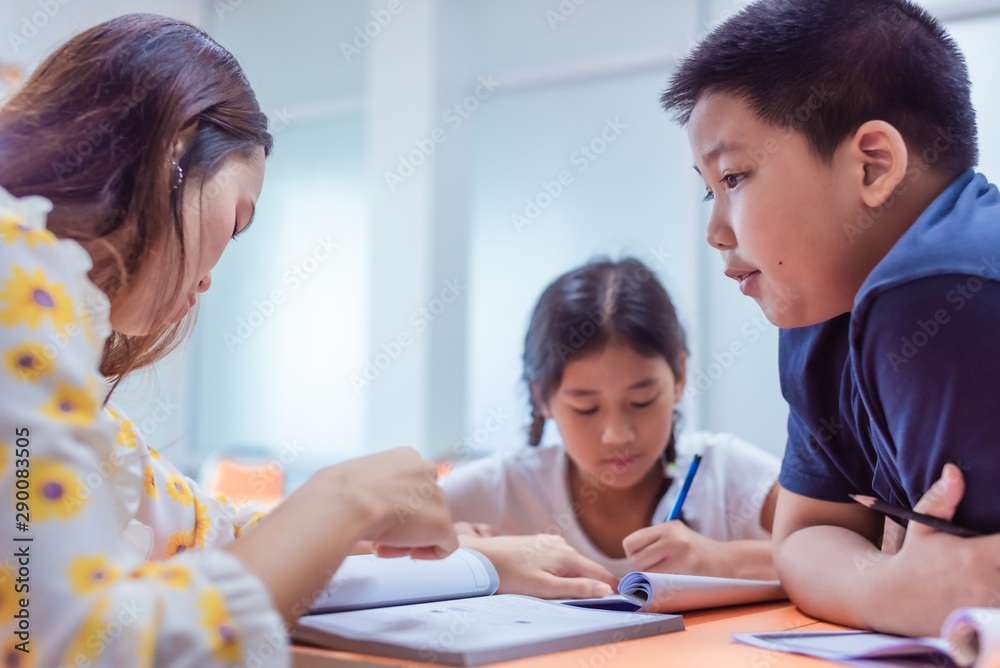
{"points": [[665, 592], [367, 581]]}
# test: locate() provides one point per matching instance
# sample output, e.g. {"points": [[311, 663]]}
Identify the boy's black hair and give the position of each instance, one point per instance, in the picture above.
{"points": [[825, 67], [585, 309]]}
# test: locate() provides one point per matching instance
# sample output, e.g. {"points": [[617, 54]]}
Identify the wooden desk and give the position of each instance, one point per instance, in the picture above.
{"points": [[705, 644]]}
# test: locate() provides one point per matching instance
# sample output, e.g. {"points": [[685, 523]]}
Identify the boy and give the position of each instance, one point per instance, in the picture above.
{"points": [[837, 139]]}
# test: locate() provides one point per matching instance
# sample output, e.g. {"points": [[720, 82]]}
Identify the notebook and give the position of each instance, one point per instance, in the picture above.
{"points": [[478, 630], [669, 593], [969, 637], [366, 581]]}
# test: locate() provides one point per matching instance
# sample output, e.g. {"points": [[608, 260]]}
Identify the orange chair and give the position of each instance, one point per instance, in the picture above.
{"points": [[244, 476]]}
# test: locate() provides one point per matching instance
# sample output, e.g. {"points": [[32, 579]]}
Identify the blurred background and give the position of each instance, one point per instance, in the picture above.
{"points": [[437, 164]]}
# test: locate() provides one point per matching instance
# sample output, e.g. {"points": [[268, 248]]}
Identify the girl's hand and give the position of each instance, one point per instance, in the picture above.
{"points": [[933, 572], [476, 529], [543, 565], [673, 547]]}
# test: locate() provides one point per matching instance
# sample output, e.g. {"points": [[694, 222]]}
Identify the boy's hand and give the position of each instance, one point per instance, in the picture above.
{"points": [[543, 565], [673, 547], [934, 572]]}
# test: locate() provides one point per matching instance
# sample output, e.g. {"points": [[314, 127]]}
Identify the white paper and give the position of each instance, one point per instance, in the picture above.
{"points": [[970, 637], [846, 645]]}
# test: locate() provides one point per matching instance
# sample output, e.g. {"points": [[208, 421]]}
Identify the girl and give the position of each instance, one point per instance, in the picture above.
{"points": [[147, 144], [605, 358]]}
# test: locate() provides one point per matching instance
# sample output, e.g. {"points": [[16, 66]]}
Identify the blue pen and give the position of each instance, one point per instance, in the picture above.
{"points": [[676, 512]]}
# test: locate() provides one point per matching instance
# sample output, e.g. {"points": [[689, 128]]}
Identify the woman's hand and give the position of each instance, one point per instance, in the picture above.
{"points": [[403, 508], [673, 547], [543, 565], [390, 499], [476, 529]]}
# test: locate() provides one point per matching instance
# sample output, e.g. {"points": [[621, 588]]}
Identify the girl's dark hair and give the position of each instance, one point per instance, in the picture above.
{"points": [[93, 130], [584, 310], [826, 67]]}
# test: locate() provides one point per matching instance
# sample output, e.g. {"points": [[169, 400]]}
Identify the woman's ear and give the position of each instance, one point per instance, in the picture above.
{"points": [[180, 144], [883, 158]]}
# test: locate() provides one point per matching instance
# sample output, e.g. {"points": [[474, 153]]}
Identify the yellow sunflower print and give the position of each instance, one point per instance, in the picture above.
{"points": [[171, 574], [8, 597], [72, 405], [153, 453], [28, 361], [88, 574], [86, 314], [127, 438], [238, 530], [223, 639], [53, 488], [202, 522], [148, 483], [178, 490], [12, 229], [13, 657], [30, 298], [86, 647], [146, 650], [178, 542]]}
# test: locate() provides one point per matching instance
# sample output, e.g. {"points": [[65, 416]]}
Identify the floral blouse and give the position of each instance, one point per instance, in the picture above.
{"points": [[108, 555]]}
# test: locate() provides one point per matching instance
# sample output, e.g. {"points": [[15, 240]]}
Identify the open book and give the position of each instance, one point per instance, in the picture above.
{"points": [[444, 611], [668, 593], [969, 637], [366, 581]]}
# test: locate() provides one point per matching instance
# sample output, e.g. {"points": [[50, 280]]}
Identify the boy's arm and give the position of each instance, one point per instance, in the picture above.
{"points": [[929, 374], [826, 558], [821, 551]]}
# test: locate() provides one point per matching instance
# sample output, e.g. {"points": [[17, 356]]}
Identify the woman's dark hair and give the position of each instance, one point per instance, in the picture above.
{"points": [[826, 67], [93, 130], [586, 309]]}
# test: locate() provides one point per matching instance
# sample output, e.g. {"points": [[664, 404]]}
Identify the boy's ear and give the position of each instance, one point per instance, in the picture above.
{"points": [[883, 155]]}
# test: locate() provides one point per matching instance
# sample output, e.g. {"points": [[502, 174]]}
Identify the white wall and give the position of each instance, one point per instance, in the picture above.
{"points": [[563, 75]]}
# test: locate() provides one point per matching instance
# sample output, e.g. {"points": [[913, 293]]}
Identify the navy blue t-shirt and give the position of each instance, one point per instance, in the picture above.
{"points": [[883, 397]]}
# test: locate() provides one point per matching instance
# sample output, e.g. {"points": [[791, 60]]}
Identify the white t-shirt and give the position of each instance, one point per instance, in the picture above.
{"points": [[527, 492]]}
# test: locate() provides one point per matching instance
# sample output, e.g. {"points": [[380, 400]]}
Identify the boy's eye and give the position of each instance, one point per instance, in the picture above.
{"points": [[644, 404], [732, 180], [589, 411], [709, 196]]}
